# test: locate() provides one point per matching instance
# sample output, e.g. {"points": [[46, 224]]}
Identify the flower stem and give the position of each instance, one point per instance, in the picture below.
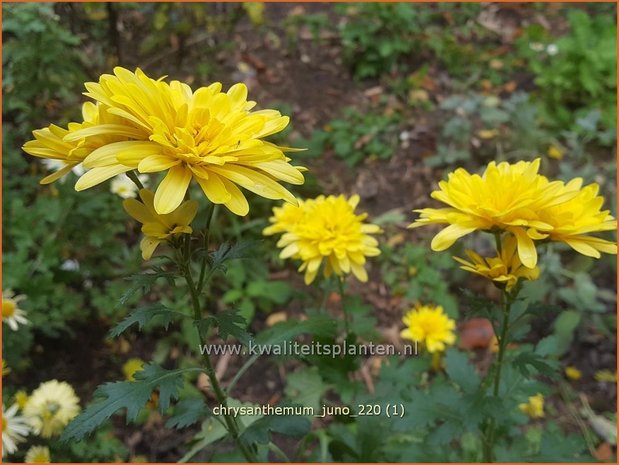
{"points": [[134, 177], [489, 437], [340, 283], [207, 236], [231, 424]]}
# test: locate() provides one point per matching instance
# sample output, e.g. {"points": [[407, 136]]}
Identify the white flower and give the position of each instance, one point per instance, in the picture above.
{"points": [[38, 454], [55, 165], [70, 265], [14, 429], [536, 46], [552, 49], [11, 313], [51, 407], [125, 187]]}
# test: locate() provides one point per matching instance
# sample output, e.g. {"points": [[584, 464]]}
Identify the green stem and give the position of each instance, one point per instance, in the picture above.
{"points": [[340, 282], [207, 237], [489, 437], [134, 177], [232, 427]]}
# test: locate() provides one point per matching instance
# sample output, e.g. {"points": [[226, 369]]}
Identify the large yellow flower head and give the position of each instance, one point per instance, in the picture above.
{"points": [[159, 228], [428, 325], [208, 135], [326, 231], [515, 199], [505, 269], [51, 407], [61, 145]]}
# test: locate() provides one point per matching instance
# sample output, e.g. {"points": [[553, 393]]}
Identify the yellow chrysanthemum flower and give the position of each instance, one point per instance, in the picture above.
{"points": [[428, 325], [206, 135], [159, 228], [516, 199], [325, 230], [534, 408], [574, 219], [505, 269], [51, 407], [60, 145], [131, 367], [38, 454], [573, 373]]}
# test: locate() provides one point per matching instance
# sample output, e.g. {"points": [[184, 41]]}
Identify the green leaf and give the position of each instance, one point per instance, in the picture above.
{"points": [[229, 322], [306, 387], [187, 412], [259, 432], [534, 360], [129, 395], [460, 370], [227, 252], [143, 315], [144, 282]]}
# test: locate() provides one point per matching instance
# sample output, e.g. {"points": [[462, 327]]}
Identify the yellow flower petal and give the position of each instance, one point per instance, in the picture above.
{"points": [[172, 189]]}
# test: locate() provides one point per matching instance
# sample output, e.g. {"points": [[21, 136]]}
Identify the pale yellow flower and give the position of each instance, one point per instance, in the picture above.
{"points": [[428, 325], [51, 407], [159, 228], [325, 231], [124, 187], [38, 454]]}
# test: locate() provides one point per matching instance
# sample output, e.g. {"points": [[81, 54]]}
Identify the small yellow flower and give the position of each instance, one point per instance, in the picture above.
{"points": [[534, 408], [11, 313], [38, 454], [573, 373], [131, 367], [505, 269], [605, 376], [51, 407], [21, 399], [5, 368], [555, 152], [159, 228], [325, 231], [428, 325], [488, 133]]}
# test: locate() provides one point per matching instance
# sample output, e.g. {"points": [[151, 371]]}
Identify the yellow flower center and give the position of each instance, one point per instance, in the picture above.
{"points": [[8, 308], [4, 424]]}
